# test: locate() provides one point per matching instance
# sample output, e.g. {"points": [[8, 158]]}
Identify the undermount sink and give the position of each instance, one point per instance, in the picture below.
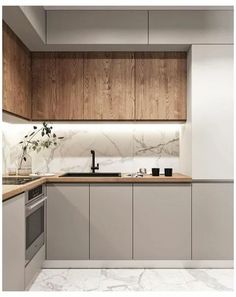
{"points": [[91, 174]]}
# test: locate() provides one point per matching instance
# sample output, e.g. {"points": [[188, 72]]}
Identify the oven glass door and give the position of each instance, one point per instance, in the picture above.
{"points": [[34, 226]]}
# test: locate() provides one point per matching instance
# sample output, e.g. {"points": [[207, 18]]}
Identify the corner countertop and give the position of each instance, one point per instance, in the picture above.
{"points": [[9, 191]]}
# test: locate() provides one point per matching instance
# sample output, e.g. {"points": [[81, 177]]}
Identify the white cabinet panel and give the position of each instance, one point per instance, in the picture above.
{"points": [[190, 27], [212, 111], [97, 27]]}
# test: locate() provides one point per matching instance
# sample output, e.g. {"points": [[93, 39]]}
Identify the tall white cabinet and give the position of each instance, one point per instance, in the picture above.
{"points": [[211, 121], [212, 111]]}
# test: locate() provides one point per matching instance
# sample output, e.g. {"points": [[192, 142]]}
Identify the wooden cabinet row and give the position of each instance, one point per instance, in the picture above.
{"points": [[140, 222], [109, 86], [93, 85]]}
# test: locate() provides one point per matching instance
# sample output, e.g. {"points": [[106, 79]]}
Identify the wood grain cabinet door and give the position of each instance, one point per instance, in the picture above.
{"points": [[16, 75], [109, 86], [160, 80], [57, 85]]}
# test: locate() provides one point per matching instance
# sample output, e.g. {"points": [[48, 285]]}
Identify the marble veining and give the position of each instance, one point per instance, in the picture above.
{"points": [[119, 147], [134, 280]]}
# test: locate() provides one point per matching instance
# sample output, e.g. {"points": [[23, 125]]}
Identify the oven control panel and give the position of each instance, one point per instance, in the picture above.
{"points": [[35, 192]]}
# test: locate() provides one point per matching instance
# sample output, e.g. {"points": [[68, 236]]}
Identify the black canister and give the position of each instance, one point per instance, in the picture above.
{"points": [[155, 171], [168, 171]]}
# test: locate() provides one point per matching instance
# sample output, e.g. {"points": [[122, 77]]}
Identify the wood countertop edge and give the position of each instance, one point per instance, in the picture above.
{"points": [[15, 190]]}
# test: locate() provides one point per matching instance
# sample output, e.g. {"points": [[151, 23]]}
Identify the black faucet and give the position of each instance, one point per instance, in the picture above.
{"points": [[93, 167]]}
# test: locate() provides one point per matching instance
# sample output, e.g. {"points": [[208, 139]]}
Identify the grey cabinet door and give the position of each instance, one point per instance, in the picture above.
{"points": [[97, 27], [13, 238], [191, 27], [212, 221], [110, 221], [68, 222], [162, 222]]}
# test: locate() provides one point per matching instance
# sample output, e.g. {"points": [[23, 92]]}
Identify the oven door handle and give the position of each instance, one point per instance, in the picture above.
{"points": [[30, 207]]}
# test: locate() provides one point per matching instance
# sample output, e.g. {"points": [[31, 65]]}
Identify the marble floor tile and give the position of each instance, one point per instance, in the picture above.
{"points": [[134, 280]]}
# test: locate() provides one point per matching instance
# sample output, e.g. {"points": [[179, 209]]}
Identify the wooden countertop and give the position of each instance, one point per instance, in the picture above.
{"points": [[9, 191]]}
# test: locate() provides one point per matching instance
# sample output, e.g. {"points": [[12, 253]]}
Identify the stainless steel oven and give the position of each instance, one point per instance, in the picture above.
{"points": [[35, 219]]}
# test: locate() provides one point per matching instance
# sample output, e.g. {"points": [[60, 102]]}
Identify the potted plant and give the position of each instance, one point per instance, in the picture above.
{"points": [[36, 140]]}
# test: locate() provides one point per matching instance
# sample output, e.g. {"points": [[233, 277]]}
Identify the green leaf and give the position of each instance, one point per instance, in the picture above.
{"points": [[54, 135], [20, 142], [31, 133], [35, 127], [25, 159], [42, 133], [61, 137]]}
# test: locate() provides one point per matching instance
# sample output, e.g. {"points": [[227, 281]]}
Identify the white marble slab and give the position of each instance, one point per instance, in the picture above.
{"points": [[134, 280], [119, 147]]}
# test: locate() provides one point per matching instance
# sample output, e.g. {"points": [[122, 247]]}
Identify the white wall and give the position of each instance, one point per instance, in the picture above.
{"points": [[212, 111]]}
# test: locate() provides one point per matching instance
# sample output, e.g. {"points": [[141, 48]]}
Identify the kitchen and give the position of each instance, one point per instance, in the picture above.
{"points": [[117, 148]]}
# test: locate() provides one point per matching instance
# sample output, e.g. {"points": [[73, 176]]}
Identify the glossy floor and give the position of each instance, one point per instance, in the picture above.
{"points": [[134, 280]]}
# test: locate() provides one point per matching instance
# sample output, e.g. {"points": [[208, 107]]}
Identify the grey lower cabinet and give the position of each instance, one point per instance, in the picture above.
{"points": [[162, 222], [67, 222], [110, 221], [212, 221], [13, 239]]}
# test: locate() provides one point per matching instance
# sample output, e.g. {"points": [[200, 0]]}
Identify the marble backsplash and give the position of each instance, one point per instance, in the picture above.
{"points": [[119, 147]]}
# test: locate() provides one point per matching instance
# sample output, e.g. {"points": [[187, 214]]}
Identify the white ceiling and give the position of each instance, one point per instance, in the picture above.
{"points": [[138, 7]]}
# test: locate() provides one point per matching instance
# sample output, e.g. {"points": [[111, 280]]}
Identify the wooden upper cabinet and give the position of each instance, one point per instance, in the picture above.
{"points": [[57, 86], [161, 80], [16, 75], [109, 86]]}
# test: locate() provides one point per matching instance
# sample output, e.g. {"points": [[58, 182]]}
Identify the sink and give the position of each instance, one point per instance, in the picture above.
{"points": [[91, 174]]}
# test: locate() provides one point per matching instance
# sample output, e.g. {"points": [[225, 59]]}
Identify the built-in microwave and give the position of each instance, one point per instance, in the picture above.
{"points": [[35, 221]]}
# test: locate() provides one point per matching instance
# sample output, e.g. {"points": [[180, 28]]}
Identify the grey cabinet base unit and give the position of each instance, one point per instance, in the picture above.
{"points": [[110, 221], [68, 222], [139, 264], [212, 221], [162, 222], [13, 248]]}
